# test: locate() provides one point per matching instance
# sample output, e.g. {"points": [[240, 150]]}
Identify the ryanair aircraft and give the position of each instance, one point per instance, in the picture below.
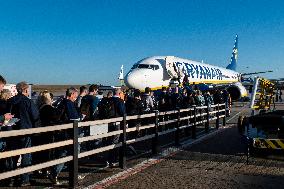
{"points": [[158, 71]]}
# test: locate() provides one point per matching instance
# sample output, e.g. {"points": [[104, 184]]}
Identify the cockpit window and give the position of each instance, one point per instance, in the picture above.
{"points": [[146, 66], [134, 66], [156, 67]]}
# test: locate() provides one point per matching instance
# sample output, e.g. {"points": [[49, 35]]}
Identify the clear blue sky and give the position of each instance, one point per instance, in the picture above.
{"points": [[78, 42]]}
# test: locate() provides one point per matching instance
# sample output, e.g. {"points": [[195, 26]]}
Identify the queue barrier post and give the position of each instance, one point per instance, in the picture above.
{"points": [[155, 139], [207, 119], [122, 149], [193, 131], [225, 114], [218, 119], [177, 132], [73, 166]]}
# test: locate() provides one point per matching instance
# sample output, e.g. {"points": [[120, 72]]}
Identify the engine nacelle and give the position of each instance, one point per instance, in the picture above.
{"points": [[237, 91]]}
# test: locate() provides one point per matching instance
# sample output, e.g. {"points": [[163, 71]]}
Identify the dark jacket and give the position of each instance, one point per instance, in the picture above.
{"points": [[93, 102], [218, 98], [208, 99], [164, 102], [3, 109], [134, 106], [177, 100], [119, 106], [23, 108], [188, 101], [68, 111], [49, 115]]}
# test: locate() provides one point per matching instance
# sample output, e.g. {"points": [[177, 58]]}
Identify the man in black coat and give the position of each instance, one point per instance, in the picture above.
{"points": [[119, 111], [24, 109], [89, 103], [68, 113]]}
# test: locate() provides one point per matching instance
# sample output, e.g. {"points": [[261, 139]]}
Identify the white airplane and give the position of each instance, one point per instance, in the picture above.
{"points": [[160, 71]]}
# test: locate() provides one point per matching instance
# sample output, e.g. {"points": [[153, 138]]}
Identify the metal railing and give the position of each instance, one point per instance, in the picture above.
{"points": [[177, 119]]}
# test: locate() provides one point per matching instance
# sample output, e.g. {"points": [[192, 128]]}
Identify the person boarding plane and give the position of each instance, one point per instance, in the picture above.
{"points": [[158, 71]]}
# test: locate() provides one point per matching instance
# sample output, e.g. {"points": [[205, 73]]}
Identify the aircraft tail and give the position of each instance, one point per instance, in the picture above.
{"points": [[234, 58], [120, 77]]}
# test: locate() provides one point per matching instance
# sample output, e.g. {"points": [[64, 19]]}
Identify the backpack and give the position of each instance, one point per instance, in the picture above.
{"points": [[62, 109], [85, 109], [146, 103], [164, 102], [197, 101], [134, 106], [106, 108]]}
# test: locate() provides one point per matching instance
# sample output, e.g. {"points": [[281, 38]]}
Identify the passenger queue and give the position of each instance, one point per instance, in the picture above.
{"points": [[82, 105]]}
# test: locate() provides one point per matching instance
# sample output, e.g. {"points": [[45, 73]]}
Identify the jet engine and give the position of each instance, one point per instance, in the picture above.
{"points": [[237, 91]]}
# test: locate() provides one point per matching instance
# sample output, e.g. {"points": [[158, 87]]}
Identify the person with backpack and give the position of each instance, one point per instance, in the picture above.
{"points": [[218, 97], [154, 99], [208, 98], [90, 103], [67, 106], [177, 99], [162, 100], [118, 110], [67, 114], [83, 92], [200, 98], [187, 99], [105, 107], [134, 106], [148, 101]]}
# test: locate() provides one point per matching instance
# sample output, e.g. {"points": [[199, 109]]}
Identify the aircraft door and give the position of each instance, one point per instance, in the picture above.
{"points": [[170, 67]]}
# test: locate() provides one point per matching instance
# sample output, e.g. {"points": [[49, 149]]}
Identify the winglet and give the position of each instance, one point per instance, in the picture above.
{"points": [[234, 58]]}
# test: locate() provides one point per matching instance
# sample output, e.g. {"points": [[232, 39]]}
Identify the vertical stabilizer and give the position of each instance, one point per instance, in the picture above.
{"points": [[120, 77], [234, 58]]}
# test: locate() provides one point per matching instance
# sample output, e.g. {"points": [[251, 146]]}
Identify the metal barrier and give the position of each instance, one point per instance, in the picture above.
{"points": [[177, 120]]}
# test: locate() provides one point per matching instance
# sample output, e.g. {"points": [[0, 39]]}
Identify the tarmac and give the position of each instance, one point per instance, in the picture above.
{"points": [[214, 161]]}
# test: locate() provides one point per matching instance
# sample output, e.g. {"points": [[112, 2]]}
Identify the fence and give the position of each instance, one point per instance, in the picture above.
{"points": [[160, 123]]}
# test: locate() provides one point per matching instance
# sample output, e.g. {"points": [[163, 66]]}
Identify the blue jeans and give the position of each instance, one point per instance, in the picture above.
{"points": [[113, 154], [26, 160], [2, 145], [59, 153], [3, 162]]}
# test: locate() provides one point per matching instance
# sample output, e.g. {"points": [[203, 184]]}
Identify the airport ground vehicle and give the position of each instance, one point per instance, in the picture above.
{"points": [[264, 131]]}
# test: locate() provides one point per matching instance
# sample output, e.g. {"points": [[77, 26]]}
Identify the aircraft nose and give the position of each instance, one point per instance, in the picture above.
{"points": [[131, 80]]}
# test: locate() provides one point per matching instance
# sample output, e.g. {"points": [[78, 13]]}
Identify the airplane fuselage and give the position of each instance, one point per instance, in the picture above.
{"points": [[152, 72]]}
